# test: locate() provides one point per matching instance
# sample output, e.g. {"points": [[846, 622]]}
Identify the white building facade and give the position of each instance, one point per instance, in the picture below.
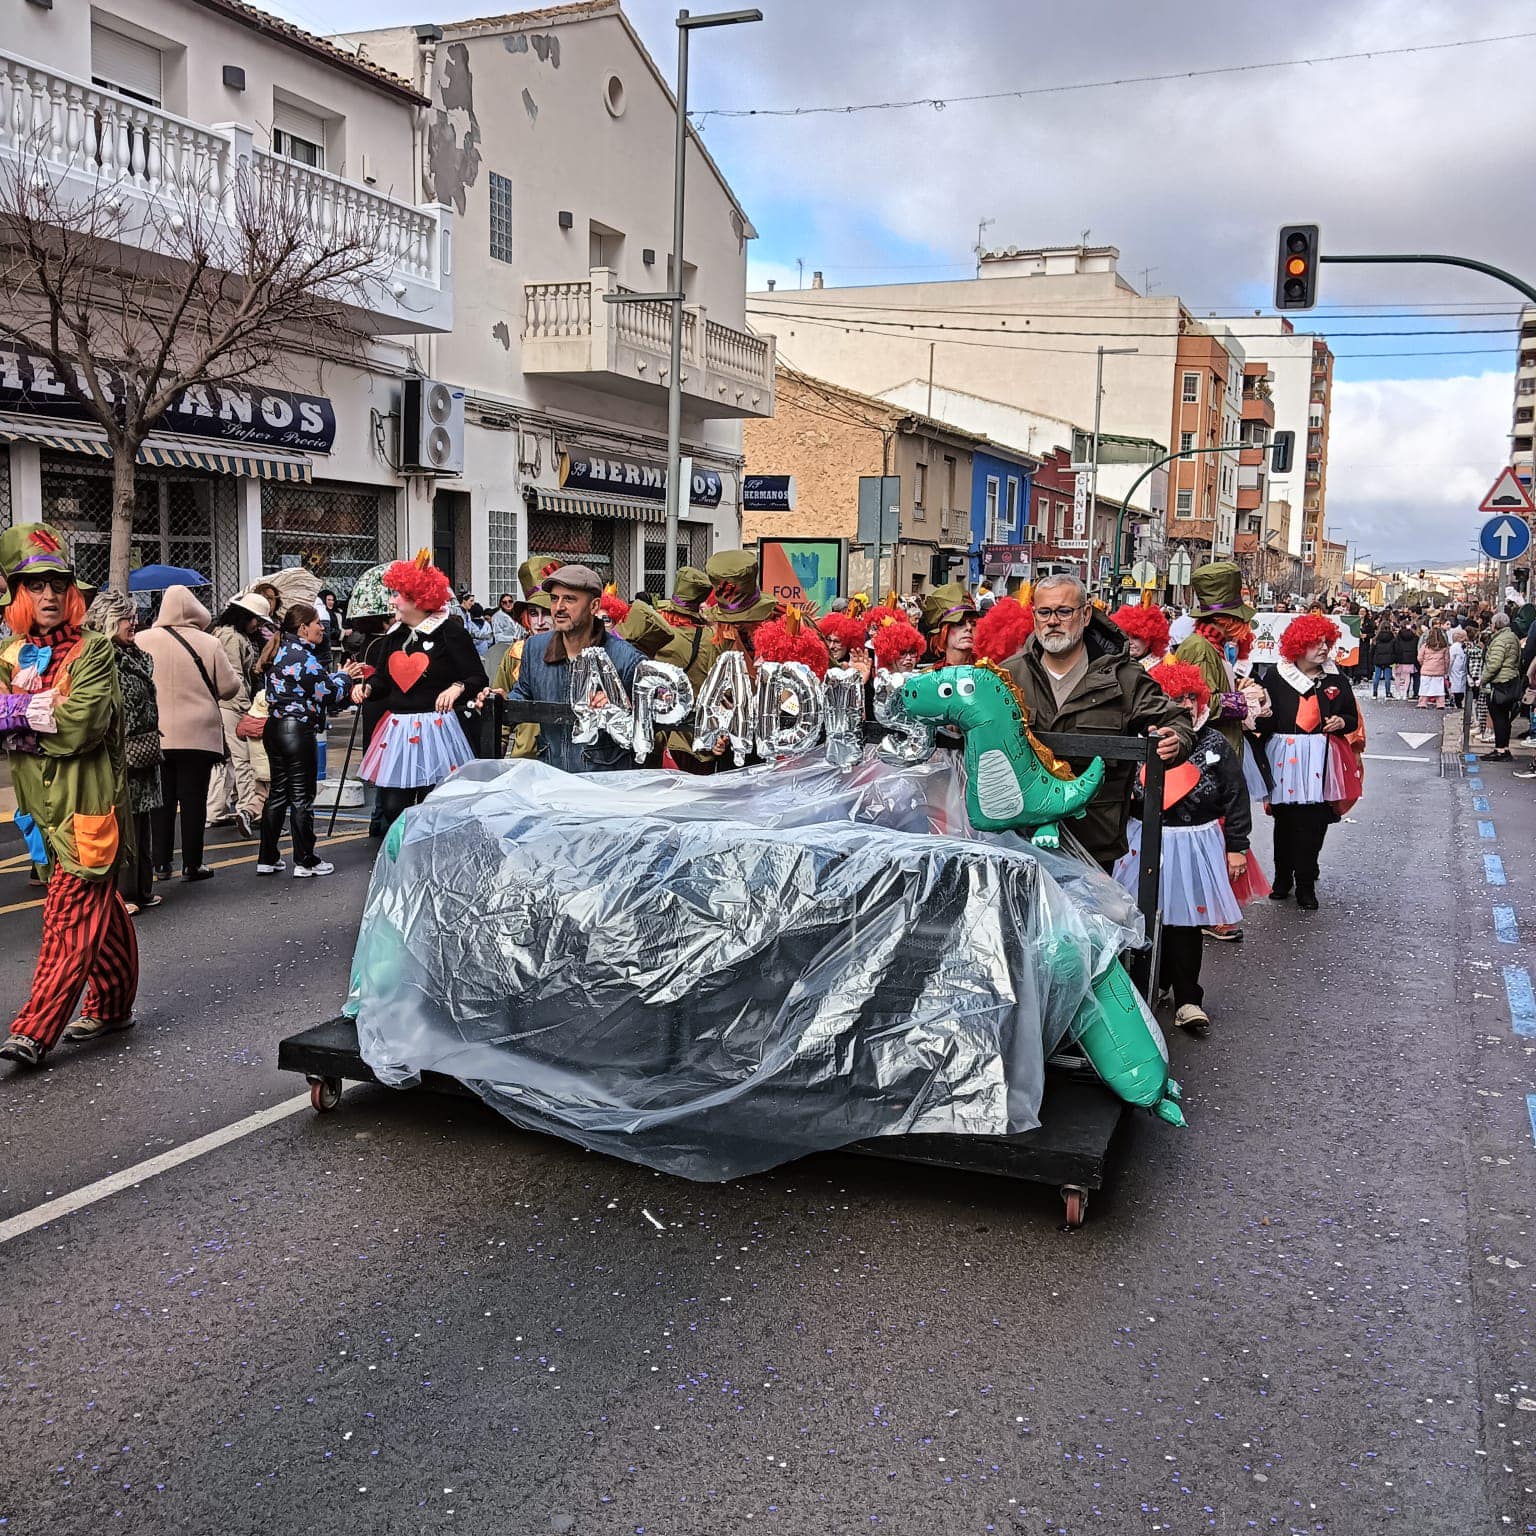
{"points": [[550, 135], [163, 100]]}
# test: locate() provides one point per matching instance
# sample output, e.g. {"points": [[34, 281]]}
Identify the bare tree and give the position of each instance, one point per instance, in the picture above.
{"points": [[134, 299]]}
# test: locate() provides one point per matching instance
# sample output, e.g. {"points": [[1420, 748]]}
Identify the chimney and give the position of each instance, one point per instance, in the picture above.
{"points": [[816, 281], [772, 282]]}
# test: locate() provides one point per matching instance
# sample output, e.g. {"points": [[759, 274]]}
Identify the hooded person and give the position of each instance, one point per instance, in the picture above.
{"points": [[1207, 820], [61, 722], [193, 680], [949, 625], [426, 665]]}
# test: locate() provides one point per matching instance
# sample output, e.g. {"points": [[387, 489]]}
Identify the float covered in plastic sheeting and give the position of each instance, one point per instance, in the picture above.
{"points": [[715, 975]]}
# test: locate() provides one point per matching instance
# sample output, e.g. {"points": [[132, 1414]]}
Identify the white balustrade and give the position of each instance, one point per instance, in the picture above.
{"points": [[556, 310]]}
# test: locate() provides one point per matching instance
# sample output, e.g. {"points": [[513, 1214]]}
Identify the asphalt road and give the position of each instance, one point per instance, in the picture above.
{"points": [[1310, 1312]]}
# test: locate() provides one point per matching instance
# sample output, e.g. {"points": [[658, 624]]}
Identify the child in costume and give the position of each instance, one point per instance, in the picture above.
{"points": [[1206, 823], [61, 720], [1145, 631], [423, 667]]}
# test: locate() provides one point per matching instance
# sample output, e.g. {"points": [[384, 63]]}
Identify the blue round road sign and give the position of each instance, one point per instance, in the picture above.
{"points": [[1505, 537]]}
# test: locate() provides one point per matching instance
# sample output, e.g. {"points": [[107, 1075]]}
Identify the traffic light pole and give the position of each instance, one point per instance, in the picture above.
{"points": [[1443, 261], [1183, 453]]}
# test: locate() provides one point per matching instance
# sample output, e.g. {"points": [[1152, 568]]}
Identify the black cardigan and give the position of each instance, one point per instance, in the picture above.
{"points": [[1221, 792], [451, 658], [1336, 697]]}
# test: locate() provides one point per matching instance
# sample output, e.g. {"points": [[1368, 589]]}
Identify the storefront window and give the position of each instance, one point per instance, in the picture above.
{"points": [[692, 549], [337, 531], [589, 541]]}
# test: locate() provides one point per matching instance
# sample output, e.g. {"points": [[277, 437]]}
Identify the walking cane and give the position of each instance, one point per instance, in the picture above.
{"points": [[346, 762]]}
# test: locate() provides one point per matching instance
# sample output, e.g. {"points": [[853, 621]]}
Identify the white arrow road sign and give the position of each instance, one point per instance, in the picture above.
{"points": [[1505, 534]]}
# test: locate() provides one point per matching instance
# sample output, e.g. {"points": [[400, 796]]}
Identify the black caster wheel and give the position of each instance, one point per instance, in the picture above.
{"points": [[324, 1094], [1076, 1201]]}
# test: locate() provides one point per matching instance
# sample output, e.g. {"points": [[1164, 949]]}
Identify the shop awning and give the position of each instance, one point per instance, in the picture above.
{"points": [[593, 504], [163, 452]]}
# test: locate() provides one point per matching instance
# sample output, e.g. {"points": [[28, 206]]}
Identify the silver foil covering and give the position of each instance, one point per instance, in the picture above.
{"points": [[714, 975]]}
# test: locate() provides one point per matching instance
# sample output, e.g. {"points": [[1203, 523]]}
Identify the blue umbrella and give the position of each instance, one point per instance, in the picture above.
{"points": [[156, 578]]}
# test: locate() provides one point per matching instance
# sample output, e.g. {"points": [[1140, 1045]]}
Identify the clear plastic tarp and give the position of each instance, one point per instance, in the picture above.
{"points": [[715, 975]]}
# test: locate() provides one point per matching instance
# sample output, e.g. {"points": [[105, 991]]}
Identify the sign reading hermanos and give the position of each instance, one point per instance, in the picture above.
{"points": [[584, 471], [228, 412]]}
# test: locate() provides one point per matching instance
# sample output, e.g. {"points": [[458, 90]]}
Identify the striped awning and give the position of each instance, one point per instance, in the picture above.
{"points": [[162, 452], [593, 504]]}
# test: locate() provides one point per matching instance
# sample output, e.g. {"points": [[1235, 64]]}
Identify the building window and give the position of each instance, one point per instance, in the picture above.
{"points": [[1062, 510], [1191, 389], [1526, 387], [298, 134], [920, 494], [1013, 506], [1184, 503], [994, 493], [500, 192], [501, 535], [124, 64], [1186, 441], [949, 482]]}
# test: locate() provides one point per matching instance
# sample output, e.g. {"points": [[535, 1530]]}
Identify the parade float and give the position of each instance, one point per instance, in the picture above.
{"points": [[847, 943]]}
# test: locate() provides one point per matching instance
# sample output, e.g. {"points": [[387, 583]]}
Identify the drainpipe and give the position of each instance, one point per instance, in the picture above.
{"points": [[427, 39]]}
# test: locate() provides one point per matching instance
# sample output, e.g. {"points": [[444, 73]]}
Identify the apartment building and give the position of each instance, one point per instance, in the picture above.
{"points": [[550, 133], [163, 103], [1520, 441], [827, 438]]}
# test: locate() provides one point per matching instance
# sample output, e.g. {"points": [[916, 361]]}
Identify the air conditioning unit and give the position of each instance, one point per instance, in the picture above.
{"points": [[432, 428]]}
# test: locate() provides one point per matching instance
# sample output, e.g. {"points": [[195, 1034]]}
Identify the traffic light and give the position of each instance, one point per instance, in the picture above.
{"points": [[1282, 446], [1296, 267]]}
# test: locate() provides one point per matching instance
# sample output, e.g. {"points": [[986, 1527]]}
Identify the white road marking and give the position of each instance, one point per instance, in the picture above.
{"points": [[1397, 757], [1416, 739], [126, 1178]]}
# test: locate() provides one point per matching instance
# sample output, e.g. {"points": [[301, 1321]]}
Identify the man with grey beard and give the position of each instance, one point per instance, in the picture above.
{"points": [[1077, 676]]}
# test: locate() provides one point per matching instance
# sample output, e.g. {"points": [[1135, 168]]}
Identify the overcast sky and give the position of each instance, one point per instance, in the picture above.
{"points": [[1189, 178]]}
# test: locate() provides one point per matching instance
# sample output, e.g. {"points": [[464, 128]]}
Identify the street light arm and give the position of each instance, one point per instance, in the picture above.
{"points": [[1518, 284], [1125, 504]]}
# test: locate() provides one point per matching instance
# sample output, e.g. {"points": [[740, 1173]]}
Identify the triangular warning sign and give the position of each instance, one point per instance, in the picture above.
{"points": [[1507, 495]]}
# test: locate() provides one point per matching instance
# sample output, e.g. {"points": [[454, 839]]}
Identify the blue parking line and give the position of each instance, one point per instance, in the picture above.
{"points": [[1493, 869], [1522, 1000], [1479, 802], [1485, 831], [1471, 757], [1475, 783], [1530, 1109], [1505, 927]]}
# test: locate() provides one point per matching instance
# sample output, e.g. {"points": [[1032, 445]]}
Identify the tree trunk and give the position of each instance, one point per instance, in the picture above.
{"points": [[124, 468]]}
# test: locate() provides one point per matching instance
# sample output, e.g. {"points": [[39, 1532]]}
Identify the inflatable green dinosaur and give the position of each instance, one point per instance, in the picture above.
{"points": [[1012, 780]]}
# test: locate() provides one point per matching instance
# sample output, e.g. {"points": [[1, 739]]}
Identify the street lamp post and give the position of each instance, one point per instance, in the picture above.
{"points": [[1093, 481], [675, 295]]}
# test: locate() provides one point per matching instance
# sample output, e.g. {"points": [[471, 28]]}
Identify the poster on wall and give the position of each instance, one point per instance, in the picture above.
{"points": [[807, 572], [1268, 627]]}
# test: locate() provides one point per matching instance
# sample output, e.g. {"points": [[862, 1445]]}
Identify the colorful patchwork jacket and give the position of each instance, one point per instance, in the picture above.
{"points": [[71, 788]]}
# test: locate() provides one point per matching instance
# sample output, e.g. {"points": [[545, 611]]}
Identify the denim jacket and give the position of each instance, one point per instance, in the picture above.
{"points": [[541, 681], [300, 687]]}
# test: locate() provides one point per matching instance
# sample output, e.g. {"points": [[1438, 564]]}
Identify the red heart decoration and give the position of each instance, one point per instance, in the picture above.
{"points": [[407, 670]]}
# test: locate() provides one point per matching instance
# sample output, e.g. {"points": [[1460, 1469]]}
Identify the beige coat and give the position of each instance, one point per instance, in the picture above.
{"points": [[190, 720]]}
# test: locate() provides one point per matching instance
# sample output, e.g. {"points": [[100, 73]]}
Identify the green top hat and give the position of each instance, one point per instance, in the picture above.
{"points": [[30, 549], [949, 604], [739, 596], [1219, 592], [688, 594]]}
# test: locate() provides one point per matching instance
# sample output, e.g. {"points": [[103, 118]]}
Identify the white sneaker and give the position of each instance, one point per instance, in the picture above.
{"points": [[1192, 1016], [272, 869], [305, 871]]}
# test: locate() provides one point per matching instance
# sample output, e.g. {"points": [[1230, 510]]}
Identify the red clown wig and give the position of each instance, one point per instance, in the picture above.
{"points": [[1181, 680], [612, 606], [419, 582], [849, 631], [1149, 625], [1002, 630], [790, 638], [894, 639], [1303, 633]]}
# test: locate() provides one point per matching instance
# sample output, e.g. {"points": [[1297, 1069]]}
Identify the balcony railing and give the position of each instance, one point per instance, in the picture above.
{"points": [[568, 329], [103, 142]]}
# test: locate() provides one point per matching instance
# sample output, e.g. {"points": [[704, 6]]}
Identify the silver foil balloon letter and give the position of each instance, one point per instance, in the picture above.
{"points": [[909, 741], [663, 696], [844, 689], [787, 688], [724, 708], [594, 675]]}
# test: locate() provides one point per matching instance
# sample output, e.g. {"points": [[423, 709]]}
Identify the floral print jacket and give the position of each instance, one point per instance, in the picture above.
{"points": [[299, 687]]}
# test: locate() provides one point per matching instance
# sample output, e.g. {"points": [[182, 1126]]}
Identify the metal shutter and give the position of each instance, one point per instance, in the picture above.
{"points": [[289, 119], [126, 63]]}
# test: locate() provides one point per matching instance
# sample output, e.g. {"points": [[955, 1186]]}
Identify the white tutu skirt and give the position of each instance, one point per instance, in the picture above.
{"points": [[1253, 775], [1305, 771], [415, 751], [1195, 890], [1431, 687]]}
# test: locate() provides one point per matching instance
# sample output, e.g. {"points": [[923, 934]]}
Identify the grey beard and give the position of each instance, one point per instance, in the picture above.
{"points": [[1056, 644]]}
